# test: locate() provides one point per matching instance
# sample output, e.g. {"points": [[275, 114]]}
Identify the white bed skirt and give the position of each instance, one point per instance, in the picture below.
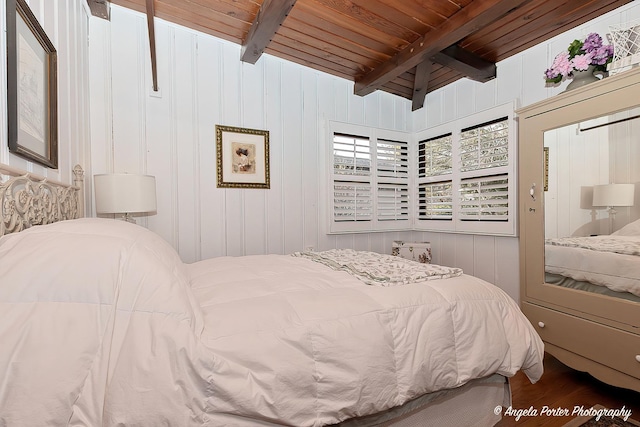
{"points": [[470, 405]]}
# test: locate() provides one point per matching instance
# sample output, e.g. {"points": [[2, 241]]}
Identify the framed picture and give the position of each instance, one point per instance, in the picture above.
{"points": [[242, 157], [546, 168], [32, 89]]}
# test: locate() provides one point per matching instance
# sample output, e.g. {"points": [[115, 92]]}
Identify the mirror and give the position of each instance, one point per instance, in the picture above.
{"points": [[592, 205]]}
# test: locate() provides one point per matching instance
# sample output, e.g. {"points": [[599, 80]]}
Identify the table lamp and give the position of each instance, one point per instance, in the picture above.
{"points": [[126, 194], [612, 195]]}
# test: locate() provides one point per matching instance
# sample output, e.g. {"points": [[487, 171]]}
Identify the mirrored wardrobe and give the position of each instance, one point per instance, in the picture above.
{"points": [[579, 200]]}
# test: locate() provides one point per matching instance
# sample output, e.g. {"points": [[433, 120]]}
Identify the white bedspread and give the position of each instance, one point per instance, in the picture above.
{"points": [[610, 261], [118, 331]]}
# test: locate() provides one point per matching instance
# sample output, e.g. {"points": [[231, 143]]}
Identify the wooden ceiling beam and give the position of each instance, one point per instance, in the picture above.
{"points": [[271, 15], [463, 23], [99, 8], [152, 43], [467, 63], [423, 73]]}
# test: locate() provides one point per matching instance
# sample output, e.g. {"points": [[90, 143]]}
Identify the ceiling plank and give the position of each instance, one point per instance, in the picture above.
{"points": [[522, 34], [467, 63], [152, 43], [423, 73], [463, 23], [99, 8], [271, 15]]}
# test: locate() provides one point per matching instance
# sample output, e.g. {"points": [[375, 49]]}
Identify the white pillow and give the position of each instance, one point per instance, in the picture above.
{"points": [[631, 229]]}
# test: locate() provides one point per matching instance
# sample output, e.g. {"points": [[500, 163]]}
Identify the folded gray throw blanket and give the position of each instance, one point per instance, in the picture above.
{"points": [[379, 269]]}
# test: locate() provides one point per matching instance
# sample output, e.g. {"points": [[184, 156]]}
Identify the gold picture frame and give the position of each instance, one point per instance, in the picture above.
{"points": [[242, 157], [546, 168], [32, 87]]}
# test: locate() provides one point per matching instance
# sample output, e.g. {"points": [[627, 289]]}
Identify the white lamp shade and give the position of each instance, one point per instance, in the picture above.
{"points": [[124, 193], [613, 195]]}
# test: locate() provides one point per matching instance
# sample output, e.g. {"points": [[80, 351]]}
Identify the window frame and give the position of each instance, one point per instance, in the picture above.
{"points": [[412, 139], [374, 135], [455, 127]]}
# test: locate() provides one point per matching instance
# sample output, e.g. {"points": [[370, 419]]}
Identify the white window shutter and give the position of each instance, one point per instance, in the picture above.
{"points": [[392, 196], [485, 146], [435, 200], [352, 175], [485, 198], [351, 155], [352, 201], [435, 157], [465, 174]]}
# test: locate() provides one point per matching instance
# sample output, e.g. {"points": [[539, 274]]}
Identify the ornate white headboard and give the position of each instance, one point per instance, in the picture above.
{"points": [[28, 199]]}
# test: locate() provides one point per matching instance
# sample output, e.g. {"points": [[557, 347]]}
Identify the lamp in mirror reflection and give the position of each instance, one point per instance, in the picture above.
{"points": [[125, 194], [612, 196]]}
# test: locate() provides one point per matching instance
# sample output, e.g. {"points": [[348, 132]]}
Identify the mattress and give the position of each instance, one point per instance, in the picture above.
{"points": [[609, 261]]}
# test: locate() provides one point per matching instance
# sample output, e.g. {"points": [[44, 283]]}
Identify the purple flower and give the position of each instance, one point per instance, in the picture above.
{"points": [[602, 55], [592, 42], [551, 74]]}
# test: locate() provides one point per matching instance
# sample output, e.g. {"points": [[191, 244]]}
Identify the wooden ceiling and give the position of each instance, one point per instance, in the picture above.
{"points": [[405, 47]]}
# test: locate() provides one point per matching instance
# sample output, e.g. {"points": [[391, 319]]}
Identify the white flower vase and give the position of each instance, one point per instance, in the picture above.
{"points": [[581, 78]]}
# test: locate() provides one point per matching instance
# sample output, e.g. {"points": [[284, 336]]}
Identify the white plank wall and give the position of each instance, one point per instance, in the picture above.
{"points": [[66, 24], [624, 166], [203, 83], [171, 134], [569, 197]]}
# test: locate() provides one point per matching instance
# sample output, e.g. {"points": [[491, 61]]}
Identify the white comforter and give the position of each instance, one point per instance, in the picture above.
{"points": [[101, 324], [612, 261]]}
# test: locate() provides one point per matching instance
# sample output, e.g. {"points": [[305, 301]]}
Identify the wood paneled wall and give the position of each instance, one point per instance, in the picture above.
{"points": [[66, 24], [202, 83]]}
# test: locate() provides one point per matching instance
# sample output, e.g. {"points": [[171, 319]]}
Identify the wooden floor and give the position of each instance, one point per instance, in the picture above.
{"points": [[563, 387]]}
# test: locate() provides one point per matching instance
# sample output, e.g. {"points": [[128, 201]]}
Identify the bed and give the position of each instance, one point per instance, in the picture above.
{"points": [[606, 264], [103, 324]]}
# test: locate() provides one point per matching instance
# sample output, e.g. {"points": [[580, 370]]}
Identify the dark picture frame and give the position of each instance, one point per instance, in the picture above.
{"points": [[32, 87], [242, 157]]}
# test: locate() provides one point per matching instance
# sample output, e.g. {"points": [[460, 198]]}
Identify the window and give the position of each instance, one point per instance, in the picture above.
{"points": [[352, 178], [392, 180], [458, 177], [435, 200], [485, 198], [465, 174], [370, 179], [435, 186]]}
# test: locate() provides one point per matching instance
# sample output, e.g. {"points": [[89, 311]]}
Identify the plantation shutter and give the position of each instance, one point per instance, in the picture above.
{"points": [[435, 200], [352, 195], [392, 198], [434, 156], [435, 189], [483, 155], [485, 198], [465, 177], [485, 146]]}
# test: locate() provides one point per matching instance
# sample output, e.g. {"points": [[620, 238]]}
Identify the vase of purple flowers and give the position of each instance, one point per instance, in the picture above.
{"points": [[582, 77], [580, 61]]}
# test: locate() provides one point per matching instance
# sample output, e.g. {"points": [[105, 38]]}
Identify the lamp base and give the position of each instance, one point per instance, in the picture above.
{"points": [[612, 217], [128, 218]]}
